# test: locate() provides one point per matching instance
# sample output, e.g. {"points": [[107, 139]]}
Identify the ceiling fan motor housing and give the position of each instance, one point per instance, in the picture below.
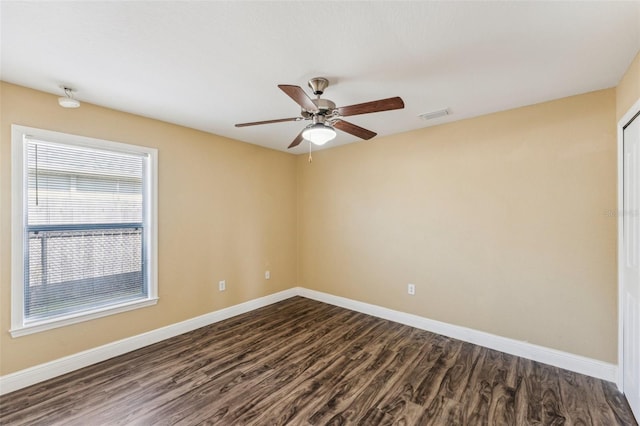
{"points": [[325, 107]]}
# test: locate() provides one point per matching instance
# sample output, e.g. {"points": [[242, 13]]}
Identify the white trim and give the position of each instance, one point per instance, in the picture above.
{"points": [[579, 364], [17, 224], [626, 119], [46, 371], [80, 317], [19, 326]]}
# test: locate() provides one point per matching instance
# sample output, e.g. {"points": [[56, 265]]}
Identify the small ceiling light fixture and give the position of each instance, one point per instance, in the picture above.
{"points": [[67, 100], [319, 133], [435, 114]]}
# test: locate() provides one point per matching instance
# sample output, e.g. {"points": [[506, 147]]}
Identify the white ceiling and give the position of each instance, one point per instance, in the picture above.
{"points": [[209, 65]]}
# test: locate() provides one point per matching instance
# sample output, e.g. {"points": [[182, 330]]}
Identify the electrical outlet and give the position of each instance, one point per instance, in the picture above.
{"points": [[222, 285], [411, 289], [267, 275]]}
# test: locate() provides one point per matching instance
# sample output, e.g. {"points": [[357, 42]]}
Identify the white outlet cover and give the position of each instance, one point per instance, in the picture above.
{"points": [[267, 275], [222, 285]]}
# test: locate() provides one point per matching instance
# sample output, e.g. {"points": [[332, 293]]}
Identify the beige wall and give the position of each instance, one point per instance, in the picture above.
{"points": [[499, 221], [628, 90], [226, 211]]}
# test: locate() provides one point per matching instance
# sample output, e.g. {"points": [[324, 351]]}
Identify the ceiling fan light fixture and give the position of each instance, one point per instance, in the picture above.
{"points": [[319, 134], [67, 100]]}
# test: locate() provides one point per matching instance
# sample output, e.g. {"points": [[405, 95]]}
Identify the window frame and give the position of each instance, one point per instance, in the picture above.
{"points": [[19, 326]]}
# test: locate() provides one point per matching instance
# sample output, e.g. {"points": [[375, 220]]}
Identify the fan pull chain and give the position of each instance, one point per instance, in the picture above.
{"points": [[310, 157]]}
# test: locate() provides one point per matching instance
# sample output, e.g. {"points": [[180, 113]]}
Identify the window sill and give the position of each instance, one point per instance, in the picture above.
{"points": [[36, 327]]}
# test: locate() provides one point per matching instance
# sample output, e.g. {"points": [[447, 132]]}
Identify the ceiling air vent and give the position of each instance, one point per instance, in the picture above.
{"points": [[434, 114]]}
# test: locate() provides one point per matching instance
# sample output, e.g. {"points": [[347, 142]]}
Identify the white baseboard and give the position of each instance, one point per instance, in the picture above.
{"points": [[49, 370], [579, 364]]}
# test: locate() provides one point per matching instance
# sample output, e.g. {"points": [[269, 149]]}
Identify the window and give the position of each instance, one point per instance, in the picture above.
{"points": [[84, 228]]}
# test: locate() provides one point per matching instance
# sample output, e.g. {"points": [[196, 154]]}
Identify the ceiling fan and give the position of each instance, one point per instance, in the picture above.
{"points": [[325, 116]]}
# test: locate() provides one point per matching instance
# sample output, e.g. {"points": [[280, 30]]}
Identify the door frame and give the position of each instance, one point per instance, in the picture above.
{"points": [[626, 119]]}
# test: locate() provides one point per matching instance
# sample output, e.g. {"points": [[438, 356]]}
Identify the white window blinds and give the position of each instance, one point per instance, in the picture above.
{"points": [[85, 229]]}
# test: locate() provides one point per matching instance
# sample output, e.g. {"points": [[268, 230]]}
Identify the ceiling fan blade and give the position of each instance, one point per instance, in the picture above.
{"points": [[299, 96], [296, 141], [351, 128], [280, 120], [373, 106]]}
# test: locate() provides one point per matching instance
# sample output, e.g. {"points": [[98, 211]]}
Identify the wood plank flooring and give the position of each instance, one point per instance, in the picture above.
{"points": [[302, 362]]}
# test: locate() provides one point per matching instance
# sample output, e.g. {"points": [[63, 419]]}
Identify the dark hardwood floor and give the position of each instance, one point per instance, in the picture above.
{"points": [[303, 362]]}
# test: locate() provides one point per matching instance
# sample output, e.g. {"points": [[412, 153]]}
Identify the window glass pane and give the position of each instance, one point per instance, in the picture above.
{"points": [[76, 185], [84, 229], [76, 270]]}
